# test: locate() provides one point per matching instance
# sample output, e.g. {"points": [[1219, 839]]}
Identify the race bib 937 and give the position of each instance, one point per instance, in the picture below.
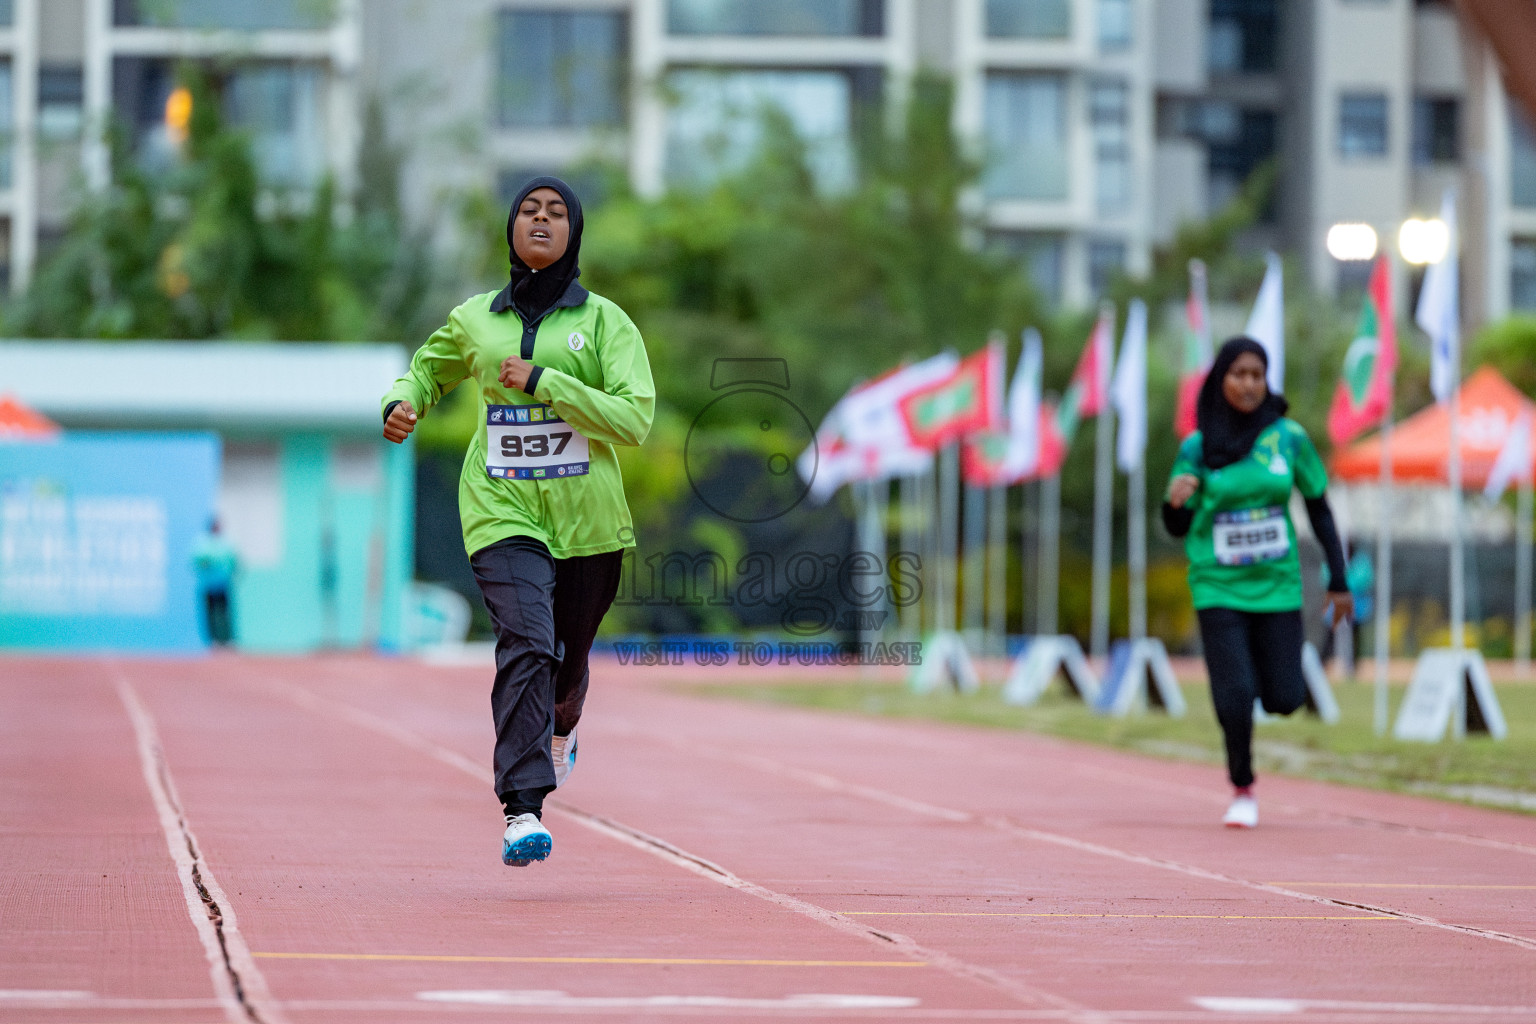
{"points": [[530, 442]]}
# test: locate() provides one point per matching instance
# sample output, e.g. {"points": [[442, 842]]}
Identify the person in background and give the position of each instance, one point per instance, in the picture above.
{"points": [[1228, 496], [562, 379], [215, 562]]}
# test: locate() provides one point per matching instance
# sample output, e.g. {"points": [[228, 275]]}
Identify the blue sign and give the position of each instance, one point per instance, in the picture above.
{"points": [[97, 533]]}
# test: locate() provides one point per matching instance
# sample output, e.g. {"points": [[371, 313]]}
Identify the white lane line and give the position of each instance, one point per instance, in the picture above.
{"points": [[554, 999], [1243, 1004], [700, 866], [237, 983], [832, 784]]}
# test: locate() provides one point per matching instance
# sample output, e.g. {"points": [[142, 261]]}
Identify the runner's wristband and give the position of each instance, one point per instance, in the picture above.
{"points": [[533, 380], [391, 408]]}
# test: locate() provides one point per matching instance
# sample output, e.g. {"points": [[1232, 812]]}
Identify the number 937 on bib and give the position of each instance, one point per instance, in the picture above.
{"points": [[530, 442]]}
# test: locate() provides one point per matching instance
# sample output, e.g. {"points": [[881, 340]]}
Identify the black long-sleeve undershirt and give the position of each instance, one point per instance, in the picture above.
{"points": [[1177, 522]]}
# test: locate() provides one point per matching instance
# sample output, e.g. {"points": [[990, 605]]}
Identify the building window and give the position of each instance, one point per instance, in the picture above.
{"points": [[60, 101], [1435, 131], [1522, 160], [1244, 37], [1238, 140], [561, 69], [1106, 260], [1029, 19], [7, 12], [776, 18], [1109, 112], [1041, 254], [717, 120], [1116, 25], [1026, 131], [277, 104], [1522, 274], [1362, 125], [245, 15]]}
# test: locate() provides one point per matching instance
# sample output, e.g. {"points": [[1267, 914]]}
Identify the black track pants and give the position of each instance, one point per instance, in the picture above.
{"points": [[1251, 655], [545, 612]]}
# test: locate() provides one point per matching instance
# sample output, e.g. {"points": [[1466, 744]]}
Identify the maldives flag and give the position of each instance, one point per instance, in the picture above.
{"points": [[1364, 391], [1197, 350], [967, 402], [1056, 429], [1089, 390]]}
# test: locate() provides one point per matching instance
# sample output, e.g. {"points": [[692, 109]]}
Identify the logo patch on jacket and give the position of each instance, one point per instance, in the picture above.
{"points": [[576, 341]]}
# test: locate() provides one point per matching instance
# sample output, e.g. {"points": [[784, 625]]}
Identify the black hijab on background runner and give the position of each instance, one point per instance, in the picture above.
{"points": [[535, 292], [1227, 435]]}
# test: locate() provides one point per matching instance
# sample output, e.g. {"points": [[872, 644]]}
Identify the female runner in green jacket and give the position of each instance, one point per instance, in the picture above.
{"points": [[1228, 496], [562, 378]]}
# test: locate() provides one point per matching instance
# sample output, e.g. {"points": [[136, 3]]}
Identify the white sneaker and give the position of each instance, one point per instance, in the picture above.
{"points": [[1244, 813], [564, 750], [526, 839]]}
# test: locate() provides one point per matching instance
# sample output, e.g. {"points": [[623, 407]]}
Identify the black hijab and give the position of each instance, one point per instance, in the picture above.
{"points": [[535, 292], [1227, 435]]}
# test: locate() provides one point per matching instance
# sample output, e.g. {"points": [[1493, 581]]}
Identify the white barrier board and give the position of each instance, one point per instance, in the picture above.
{"points": [[1032, 671], [1140, 678], [1450, 687], [945, 662]]}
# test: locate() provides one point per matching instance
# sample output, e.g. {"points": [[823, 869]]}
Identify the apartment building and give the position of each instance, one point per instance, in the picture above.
{"points": [[1103, 123]]}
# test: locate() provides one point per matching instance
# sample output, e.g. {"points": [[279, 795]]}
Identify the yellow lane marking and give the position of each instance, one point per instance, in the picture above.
{"points": [[663, 961], [1397, 885], [1180, 917]]}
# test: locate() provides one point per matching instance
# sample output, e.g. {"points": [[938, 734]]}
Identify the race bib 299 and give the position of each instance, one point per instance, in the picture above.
{"points": [[1251, 535], [530, 442]]}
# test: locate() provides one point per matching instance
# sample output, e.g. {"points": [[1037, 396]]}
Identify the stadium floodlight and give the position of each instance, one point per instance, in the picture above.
{"points": [[1351, 241], [1423, 241]]}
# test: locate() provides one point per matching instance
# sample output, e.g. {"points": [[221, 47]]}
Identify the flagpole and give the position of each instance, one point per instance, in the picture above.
{"points": [[1458, 554], [933, 593], [1103, 524], [997, 571], [1383, 627], [973, 561], [907, 499], [1523, 511], [1050, 555], [949, 534], [1136, 543]]}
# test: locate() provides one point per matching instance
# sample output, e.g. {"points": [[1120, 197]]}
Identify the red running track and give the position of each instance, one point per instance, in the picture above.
{"points": [[288, 842]]}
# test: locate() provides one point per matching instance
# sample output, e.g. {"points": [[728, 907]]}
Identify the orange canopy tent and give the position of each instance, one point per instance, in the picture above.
{"points": [[17, 422], [1421, 443]]}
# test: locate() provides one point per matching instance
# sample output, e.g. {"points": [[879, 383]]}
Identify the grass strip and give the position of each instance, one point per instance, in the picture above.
{"points": [[1475, 770]]}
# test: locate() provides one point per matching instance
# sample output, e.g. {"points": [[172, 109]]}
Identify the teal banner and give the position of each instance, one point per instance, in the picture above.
{"points": [[97, 534]]}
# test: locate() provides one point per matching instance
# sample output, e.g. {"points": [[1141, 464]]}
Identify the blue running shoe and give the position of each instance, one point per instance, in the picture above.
{"points": [[562, 750], [526, 840]]}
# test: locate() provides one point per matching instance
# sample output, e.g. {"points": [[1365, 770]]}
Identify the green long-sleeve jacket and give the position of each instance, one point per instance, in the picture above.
{"points": [[592, 377]]}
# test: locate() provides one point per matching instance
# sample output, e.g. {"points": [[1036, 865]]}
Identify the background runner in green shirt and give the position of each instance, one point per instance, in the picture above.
{"points": [[1229, 498], [562, 378]]}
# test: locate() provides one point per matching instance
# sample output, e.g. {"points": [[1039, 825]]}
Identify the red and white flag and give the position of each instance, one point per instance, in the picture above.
{"points": [[968, 402], [1197, 350], [865, 437]]}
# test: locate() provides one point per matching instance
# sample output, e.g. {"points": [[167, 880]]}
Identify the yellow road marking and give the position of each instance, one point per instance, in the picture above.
{"points": [[1180, 917], [1397, 885], [663, 961]]}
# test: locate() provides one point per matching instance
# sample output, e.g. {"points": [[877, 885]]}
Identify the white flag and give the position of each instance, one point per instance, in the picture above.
{"points": [[1129, 389], [1024, 411], [1266, 324], [1514, 461], [1439, 311]]}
